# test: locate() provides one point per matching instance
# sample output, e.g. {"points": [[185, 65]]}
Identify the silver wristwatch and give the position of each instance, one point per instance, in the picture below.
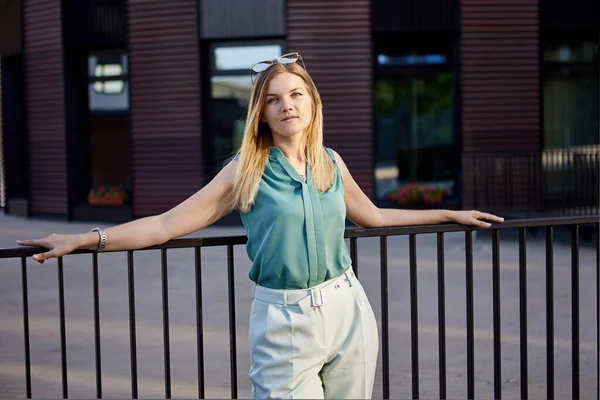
{"points": [[103, 238]]}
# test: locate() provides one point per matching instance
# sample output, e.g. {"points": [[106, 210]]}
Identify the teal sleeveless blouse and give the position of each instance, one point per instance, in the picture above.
{"points": [[295, 234]]}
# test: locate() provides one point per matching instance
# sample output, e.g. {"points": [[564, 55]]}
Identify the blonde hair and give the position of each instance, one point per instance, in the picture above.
{"points": [[258, 140]]}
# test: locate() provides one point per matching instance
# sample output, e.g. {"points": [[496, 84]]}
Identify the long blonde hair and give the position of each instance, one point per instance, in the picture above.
{"points": [[258, 140]]}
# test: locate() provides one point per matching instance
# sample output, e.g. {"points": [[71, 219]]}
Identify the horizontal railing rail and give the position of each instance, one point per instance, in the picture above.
{"points": [[572, 225]]}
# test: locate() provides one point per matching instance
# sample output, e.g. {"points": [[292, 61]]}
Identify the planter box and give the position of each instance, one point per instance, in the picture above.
{"points": [[109, 214], [95, 201]]}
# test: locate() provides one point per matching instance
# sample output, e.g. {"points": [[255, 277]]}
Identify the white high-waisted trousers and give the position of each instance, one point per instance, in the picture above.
{"points": [[313, 344]]}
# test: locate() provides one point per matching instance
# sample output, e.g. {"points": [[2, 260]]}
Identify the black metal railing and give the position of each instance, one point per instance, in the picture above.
{"points": [[551, 226], [2, 180], [554, 181]]}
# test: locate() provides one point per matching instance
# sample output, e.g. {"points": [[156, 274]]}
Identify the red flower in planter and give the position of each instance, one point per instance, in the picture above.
{"points": [[415, 193], [107, 196]]}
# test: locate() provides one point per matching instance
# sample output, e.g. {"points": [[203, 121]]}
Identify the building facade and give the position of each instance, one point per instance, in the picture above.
{"points": [[466, 97]]}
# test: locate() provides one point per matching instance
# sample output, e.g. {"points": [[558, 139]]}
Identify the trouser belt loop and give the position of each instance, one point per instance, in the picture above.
{"points": [[348, 276], [316, 298]]}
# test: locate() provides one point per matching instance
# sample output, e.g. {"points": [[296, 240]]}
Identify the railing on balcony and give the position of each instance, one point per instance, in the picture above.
{"points": [[552, 182], [568, 227]]}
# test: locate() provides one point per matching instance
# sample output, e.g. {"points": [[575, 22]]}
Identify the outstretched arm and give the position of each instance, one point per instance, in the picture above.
{"points": [[199, 211], [361, 210]]}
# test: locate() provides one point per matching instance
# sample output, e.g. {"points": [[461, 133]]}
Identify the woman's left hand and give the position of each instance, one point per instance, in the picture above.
{"points": [[476, 218]]}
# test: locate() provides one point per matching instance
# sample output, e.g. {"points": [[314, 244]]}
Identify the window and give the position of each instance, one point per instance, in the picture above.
{"points": [[414, 116], [230, 87], [108, 82], [570, 91], [241, 57]]}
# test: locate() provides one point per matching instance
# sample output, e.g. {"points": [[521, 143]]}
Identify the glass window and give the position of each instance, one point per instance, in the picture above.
{"points": [[570, 93], [241, 57], [230, 87], [229, 98], [417, 157], [565, 52], [415, 132], [411, 59], [108, 83]]}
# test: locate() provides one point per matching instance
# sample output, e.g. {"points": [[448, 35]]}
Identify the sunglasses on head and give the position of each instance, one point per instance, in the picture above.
{"points": [[284, 59]]}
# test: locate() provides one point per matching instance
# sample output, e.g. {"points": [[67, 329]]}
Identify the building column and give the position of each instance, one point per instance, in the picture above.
{"points": [[164, 92], [334, 39], [45, 102], [500, 99]]}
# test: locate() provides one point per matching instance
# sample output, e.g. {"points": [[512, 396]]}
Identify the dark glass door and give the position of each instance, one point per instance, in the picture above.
{"points": [[414, 123]]}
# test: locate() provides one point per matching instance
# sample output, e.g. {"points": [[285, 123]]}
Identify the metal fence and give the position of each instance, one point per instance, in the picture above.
{"points": [[2, 184], [572, 225], [554, 182]]}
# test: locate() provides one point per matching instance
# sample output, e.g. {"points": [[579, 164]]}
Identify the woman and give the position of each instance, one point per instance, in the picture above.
{"points": [[312, 331]]}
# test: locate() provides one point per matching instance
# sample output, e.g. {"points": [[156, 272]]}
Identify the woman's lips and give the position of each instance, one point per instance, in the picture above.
{"points": [[287, 119]]}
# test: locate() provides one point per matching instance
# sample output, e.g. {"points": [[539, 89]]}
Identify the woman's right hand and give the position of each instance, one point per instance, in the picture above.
{"points": [[57, 245]]}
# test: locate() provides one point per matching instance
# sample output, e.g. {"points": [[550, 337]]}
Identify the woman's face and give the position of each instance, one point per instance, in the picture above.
{"points": [[288, 105]]}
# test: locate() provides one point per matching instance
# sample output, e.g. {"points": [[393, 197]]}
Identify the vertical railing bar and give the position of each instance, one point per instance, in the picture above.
{"points": [[564, 176], [441, 314], [589, 196], [98, 354], [549, 314], [556, 174], [597, 296], [232, 329], [566, 189], [26, 327], [538, 181], [385, 339], [511, 162], [132, 327], [470, 322], [506, 170], [165, 309], [63, 334], [488, 161], [199, 321], [523, 310], [354, 254], [530, 182], [414, 315], [575, 309], [496, 313], [474, 183]]}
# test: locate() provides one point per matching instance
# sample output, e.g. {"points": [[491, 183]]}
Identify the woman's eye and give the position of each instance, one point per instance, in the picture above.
{"points": [[271, 101], [296, 94]]}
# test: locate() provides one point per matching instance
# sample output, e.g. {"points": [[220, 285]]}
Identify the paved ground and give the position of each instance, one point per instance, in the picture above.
{"points": [[45, 343]]}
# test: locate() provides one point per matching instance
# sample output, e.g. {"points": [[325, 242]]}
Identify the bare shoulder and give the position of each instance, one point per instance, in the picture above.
{"points": [[338, 158], [341, 164]]}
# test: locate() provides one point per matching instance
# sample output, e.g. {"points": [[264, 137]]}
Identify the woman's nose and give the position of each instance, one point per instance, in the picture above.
{"points": [[286, 105]]}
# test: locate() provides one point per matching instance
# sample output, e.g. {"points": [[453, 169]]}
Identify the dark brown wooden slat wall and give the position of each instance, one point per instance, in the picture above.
{"points": [[334, 38], [500, 75], [164, 103], [42, 47], [500, 85]]}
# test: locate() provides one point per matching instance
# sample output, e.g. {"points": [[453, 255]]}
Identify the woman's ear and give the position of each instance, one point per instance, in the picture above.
{"points": [[263, 119]]}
